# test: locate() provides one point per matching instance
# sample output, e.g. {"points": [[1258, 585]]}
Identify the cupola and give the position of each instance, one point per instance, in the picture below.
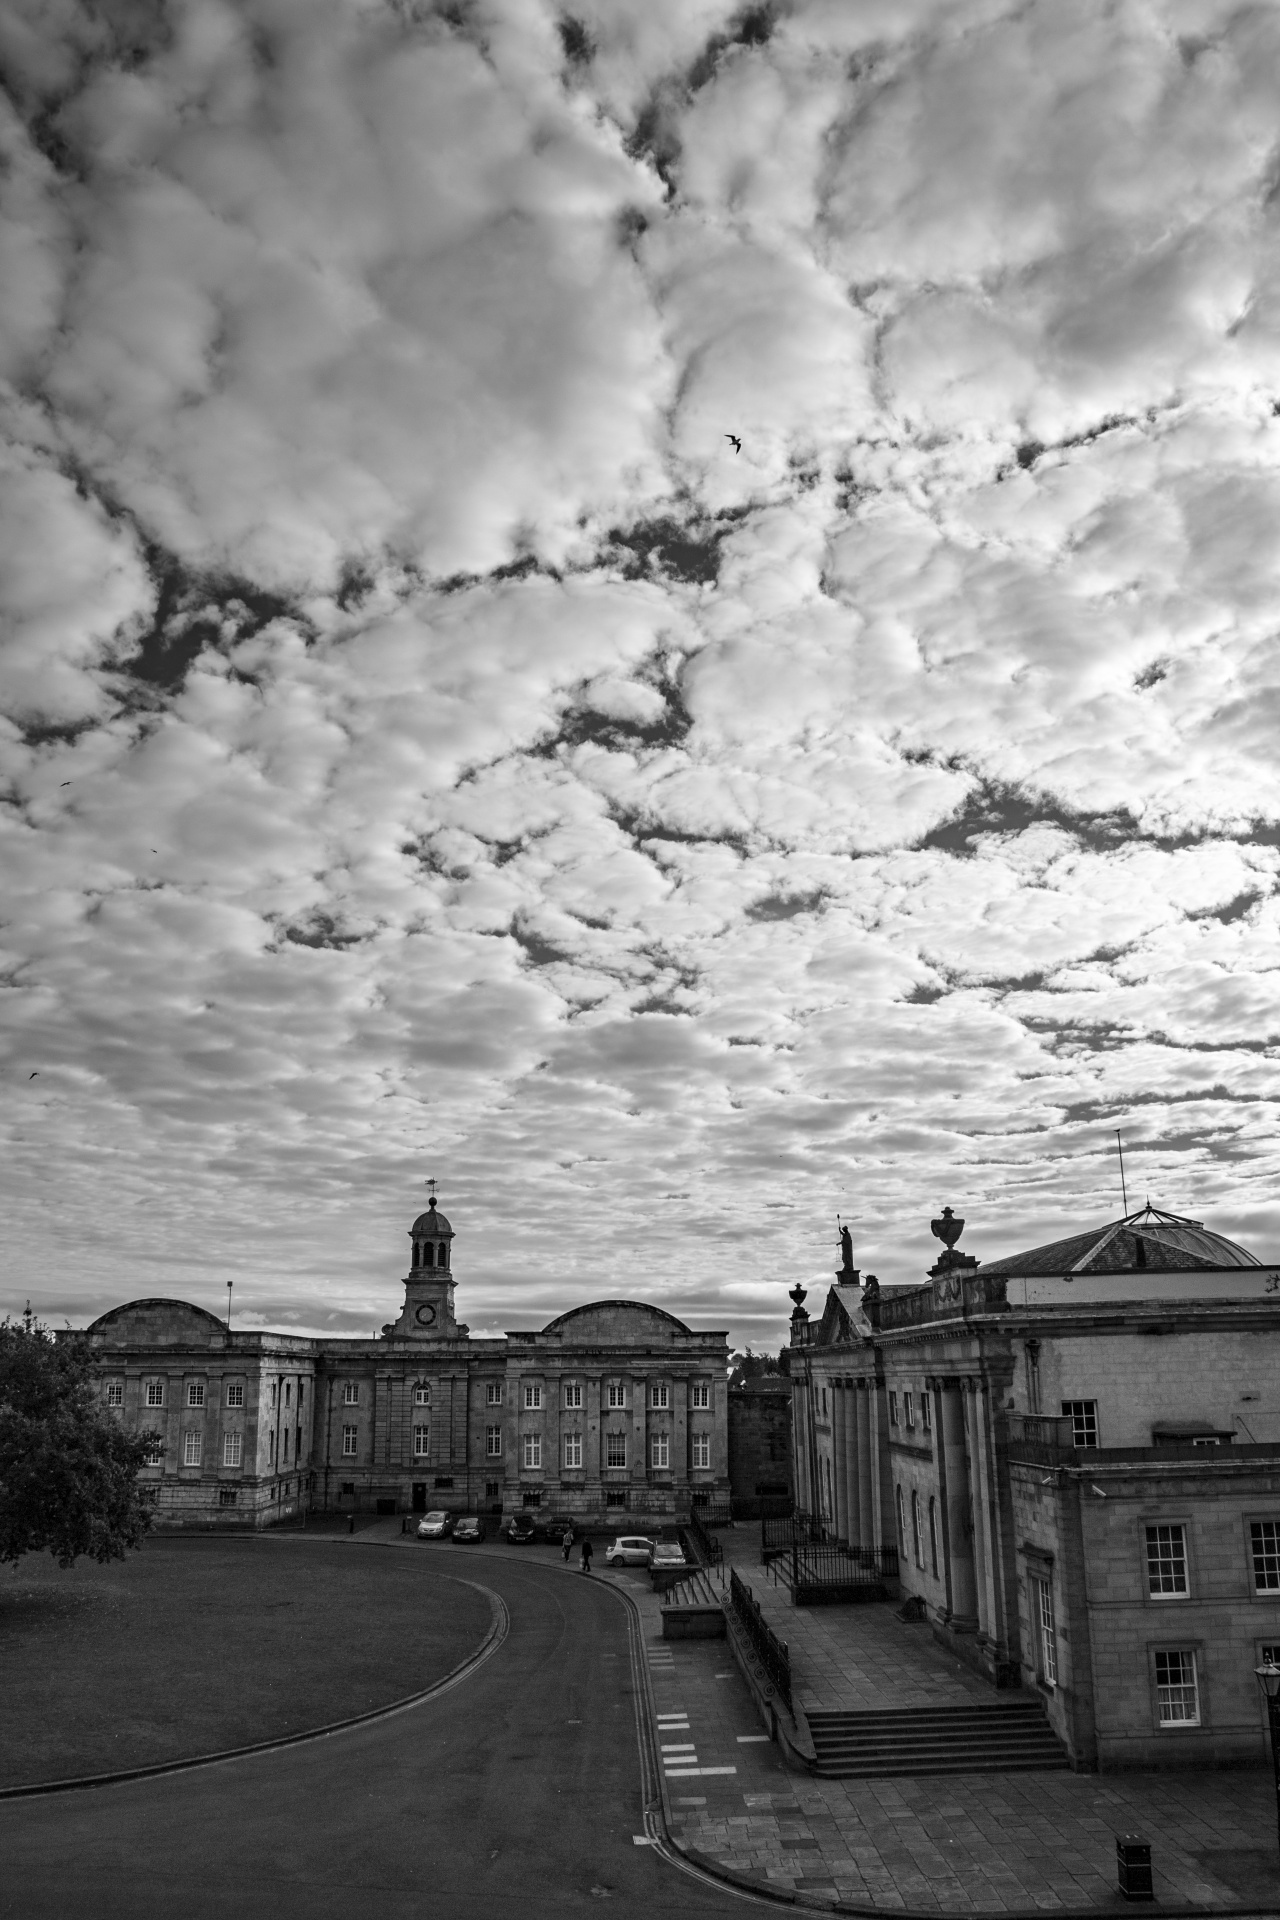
{"points": [[427, 1313], [431, 1235]]}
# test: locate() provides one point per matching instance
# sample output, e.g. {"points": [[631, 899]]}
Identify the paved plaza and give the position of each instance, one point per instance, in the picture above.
{"points": [[1017, 1842]]}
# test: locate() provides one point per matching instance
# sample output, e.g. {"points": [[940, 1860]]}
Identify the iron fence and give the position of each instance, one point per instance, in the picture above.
{"points": [[780, 1533], [818, 1567], [773, 1654], [707, 1547], [822, 1571]]}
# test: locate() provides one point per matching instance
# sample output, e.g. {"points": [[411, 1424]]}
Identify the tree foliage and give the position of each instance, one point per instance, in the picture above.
{"points": [[68, 1470], [750, 1366]]}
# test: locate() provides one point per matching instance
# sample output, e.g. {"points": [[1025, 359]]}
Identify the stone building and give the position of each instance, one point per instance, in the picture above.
{"points": [[1075, 1452], [760, 1445], [616, 1412]]}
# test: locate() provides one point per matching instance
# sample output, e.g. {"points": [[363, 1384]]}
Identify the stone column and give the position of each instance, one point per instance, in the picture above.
{"points": [[849, 1454], [838, 1413], [959, 1531], [866, 1465], [981, 1533], [800, 1443], [985, 1498]]}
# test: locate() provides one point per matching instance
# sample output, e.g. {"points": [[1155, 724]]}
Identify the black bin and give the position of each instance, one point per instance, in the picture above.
{"points": [[1133, 1867]]}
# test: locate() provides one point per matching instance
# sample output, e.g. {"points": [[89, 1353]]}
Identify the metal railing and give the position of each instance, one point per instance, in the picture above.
{"points": [[773, 1654], [818, 1567], [713, 1509], [779, 1534], [707, 1547], [820, 1570]]}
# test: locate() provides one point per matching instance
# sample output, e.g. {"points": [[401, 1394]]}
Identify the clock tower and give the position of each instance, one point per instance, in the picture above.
{"points": [[428, 1289]]}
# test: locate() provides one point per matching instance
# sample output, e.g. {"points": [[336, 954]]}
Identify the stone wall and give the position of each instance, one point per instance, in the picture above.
{"points": [[760, 1441]]}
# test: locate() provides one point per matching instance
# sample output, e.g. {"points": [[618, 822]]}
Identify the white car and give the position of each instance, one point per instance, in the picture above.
{"points": [[434, 1526], [667, 1553], [628, 1550]]}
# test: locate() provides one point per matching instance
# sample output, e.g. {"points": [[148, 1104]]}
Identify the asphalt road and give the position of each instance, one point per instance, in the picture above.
{"points": [[518, 1791]]}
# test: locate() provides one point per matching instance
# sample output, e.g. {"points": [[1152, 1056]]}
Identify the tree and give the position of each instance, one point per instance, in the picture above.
{"points": [[750, 1366], [68, 1471]]}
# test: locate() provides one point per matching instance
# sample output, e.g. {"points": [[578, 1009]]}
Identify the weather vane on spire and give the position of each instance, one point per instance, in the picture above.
{"points": [[431, 1187]]}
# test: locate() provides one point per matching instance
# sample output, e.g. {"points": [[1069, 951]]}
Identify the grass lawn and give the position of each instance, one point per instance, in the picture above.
{"points": [[196, 1644]]}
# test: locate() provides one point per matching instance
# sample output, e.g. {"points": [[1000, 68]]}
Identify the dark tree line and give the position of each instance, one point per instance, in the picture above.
{"points": [[68, 1470], [751, 1366]]}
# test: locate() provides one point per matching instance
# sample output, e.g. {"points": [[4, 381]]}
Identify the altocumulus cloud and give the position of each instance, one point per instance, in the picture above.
{"points": [[430, 746]]}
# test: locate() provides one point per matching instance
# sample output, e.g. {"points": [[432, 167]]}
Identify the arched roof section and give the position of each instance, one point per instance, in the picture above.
{"points": [[157, 1320], [619, 1320]]}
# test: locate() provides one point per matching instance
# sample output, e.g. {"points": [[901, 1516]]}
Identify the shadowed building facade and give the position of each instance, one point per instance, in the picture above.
{"points": [[615, 1411], [1075, 1453]]}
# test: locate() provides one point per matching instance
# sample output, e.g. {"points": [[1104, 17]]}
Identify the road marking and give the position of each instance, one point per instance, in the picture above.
{"points": [[642, 1840], [747, 1739], [671, 1746], [690, 1773], [726, 1676]]}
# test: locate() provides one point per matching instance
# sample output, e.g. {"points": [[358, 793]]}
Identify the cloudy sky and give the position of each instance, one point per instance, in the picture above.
{"points": [[430, 748]]}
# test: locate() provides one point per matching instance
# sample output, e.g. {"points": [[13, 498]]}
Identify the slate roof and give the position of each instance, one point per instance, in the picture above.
{"points": [[1151, 1238], [431, 1222]]}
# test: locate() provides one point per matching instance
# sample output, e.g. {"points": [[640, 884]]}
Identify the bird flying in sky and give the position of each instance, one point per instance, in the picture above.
{"points": [[737, 444]]}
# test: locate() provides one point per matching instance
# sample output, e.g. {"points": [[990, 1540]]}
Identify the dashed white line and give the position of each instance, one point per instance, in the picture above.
{"points": [[749, 1739]]}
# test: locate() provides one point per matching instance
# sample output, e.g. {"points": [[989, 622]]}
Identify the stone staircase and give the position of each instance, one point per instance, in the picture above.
{"points": [[698, 1589], [1005, 1737]]}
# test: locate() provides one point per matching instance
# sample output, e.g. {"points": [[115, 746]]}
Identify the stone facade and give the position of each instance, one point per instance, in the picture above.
{"points": [[1076, 1457], [759, 1443], [615, 1412]]}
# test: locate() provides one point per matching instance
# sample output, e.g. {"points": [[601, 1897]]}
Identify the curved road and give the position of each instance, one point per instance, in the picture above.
{"points": [[518, 1791]]}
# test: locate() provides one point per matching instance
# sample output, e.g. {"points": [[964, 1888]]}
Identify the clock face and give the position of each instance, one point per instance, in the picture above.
{"points": [[425, 1315]]}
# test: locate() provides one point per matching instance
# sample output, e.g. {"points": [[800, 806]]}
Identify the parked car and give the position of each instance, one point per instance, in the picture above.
{"points": [[667, 1553], [629, 1550], [434, 1526], [470, 1527], [520, 1529], [554, 1528]]}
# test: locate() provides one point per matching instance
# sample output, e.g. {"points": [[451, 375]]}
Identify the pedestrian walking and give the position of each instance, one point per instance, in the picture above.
{"points": [[567, 1544], [586, 1556]]}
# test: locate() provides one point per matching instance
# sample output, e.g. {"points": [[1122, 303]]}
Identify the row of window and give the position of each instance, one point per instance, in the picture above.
{"points": [[1166, 1550], [615, 1395], [154, 1393], [1168, 1575], [917, 1530], [193, 1450], [659, 1394], [909, 1406], [615, 1445]]}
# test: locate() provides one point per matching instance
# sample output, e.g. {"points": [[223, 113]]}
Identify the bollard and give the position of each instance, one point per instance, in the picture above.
{"points": [[1133, 1866], [351, 1524]]}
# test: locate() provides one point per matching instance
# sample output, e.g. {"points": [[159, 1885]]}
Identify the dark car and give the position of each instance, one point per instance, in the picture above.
{"points": [[470, 1527], [520, 1529]]}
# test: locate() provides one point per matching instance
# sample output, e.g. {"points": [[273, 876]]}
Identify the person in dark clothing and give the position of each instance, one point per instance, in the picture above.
{"points": [[567, 1544], [586, 1556]]}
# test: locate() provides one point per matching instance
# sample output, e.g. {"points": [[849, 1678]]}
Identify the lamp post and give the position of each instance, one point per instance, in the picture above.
{"points": [[1269, 1681]]}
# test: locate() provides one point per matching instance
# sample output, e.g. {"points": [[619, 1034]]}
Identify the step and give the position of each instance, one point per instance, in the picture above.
{"points": [[893, 1770], [924, 1751], [995, 1738], [1022, 1708]]}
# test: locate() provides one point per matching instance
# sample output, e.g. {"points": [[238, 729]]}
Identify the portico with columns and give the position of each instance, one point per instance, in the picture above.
{"points": [[1011, 1438]]}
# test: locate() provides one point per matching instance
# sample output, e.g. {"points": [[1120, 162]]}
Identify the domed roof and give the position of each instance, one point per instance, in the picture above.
{"points": [[431, 1222], [1151, 1238]]}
